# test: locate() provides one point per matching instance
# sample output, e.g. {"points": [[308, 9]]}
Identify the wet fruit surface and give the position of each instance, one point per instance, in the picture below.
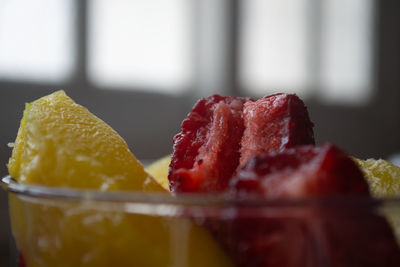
{"points": [[221, 133], [341, 236], [228, 145], [304, 171], [382, 176], [62, 144], [275, 164], [206, 151], [159, 170], [384, 181], [274, 123]]}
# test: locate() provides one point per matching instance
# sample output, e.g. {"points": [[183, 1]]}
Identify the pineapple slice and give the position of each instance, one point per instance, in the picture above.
{"points": [[61, 144]]}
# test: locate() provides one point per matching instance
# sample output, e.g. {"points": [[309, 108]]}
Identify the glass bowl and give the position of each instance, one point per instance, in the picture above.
{"points": [[69, 227]]}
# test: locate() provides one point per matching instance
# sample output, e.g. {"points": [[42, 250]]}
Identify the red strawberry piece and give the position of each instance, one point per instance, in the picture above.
{"points": [[206, 151], [356, 237], [274, 123], [263, 240], [313, 235], [214, 136], [303, 171]]}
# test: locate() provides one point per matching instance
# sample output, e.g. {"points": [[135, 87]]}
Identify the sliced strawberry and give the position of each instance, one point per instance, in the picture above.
{"points": [[313, 235], [356, 237], [215, 139], [274, 123], [304, 171], [206, 152], [263, 240]]}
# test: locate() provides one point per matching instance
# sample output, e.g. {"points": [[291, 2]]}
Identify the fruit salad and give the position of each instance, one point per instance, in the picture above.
{"points": [[61, 144], [272, 155], [245, 185]]}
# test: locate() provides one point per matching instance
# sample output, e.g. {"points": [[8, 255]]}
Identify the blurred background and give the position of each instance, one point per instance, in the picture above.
{"points": [[141, 64]]}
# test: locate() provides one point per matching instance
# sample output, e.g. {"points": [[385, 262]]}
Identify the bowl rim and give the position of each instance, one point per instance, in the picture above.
{"points": [[35, 191]]}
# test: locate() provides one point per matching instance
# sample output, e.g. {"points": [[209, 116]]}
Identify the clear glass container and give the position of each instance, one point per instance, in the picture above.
{"points": [[66, 227]]}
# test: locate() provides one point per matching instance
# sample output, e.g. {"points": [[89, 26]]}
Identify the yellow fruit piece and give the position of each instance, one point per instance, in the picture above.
{"points": [[60, 143], [159, 171], [383, 178]]}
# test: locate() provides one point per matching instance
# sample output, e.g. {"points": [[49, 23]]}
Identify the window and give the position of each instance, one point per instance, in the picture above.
{"points": [[36, 40], [346, 50], [320, 49], [141, 44], [274, 42], [317, 48]]}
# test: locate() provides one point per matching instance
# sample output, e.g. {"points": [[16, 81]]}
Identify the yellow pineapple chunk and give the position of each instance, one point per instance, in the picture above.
{"points": [[383, 178], [159, 170], [61, 144]]}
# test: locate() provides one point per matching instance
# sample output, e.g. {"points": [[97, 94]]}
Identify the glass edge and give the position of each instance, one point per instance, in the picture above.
{"points": [[11, 185]]}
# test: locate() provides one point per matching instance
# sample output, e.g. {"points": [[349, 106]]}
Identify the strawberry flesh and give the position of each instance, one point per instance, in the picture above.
{"points": [[246, 148], [221, 133], [206, 151], [303, 171], [307, 235], [274, 123]]}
